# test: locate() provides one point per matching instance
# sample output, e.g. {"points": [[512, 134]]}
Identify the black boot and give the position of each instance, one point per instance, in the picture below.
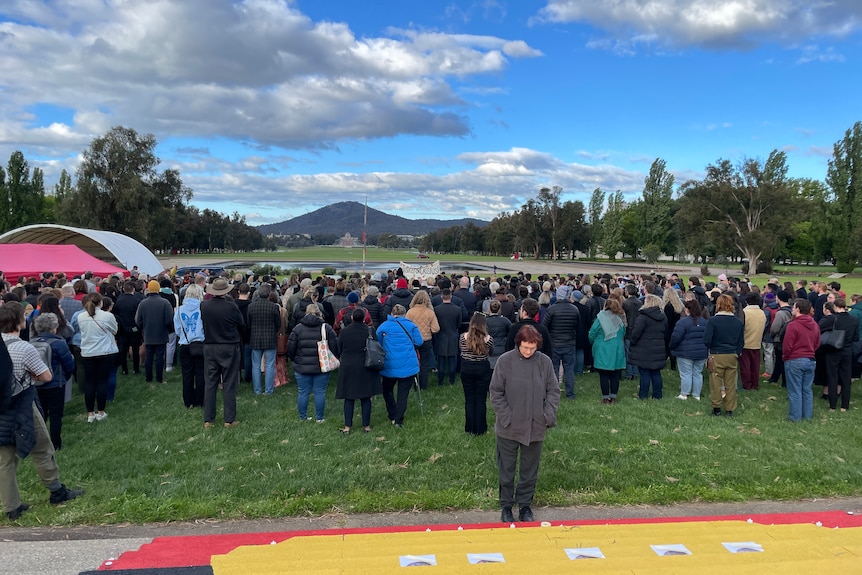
{"points": [[716, 411], [16, 513], [506, 516], [63, 493]]}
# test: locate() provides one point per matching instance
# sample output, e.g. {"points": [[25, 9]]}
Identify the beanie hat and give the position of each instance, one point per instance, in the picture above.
{"points": [[153, 287], [353, 297], [769, 296], [401, 283], [563, 292], [784, 295]]}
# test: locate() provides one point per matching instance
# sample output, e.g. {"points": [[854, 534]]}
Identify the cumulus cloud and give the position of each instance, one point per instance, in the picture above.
{"points": [[253, 70], [490, 183], [716, 24]]}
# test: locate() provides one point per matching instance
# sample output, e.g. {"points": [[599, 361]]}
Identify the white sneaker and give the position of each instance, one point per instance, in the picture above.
{"points": [[91, 418], [321, 420], [169, 368], [696, 397], [101, 416], [681, 396]]}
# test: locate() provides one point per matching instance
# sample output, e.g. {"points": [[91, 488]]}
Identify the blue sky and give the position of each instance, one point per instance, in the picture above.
{"points": [[274, 108]]}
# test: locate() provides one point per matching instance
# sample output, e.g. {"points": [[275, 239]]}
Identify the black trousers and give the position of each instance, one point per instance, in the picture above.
{"points": [[365, 406], [395, 409], [838, 371], [476, 378], [124, 341], [193, 376], [155, 354], [53, 401]]}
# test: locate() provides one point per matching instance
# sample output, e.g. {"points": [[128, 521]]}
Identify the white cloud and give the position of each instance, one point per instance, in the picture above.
{"points": [[491, 182], [254, 70], [717, 24]]}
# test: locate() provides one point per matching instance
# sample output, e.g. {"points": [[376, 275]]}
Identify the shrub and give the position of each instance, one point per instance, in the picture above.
{"points": [[329, 271]]}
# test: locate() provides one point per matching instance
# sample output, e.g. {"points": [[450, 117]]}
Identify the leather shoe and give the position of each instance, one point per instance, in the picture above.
{"points": [[525, 514], [506, 516], [16, 513]]}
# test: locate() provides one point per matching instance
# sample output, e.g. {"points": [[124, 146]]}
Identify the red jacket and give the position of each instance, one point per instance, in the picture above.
{"points": [[801, 339]]}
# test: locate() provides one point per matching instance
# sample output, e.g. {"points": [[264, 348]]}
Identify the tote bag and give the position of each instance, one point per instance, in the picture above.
{"points": [[327, 359]]}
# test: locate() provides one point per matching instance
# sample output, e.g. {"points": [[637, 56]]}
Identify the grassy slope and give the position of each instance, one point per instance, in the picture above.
{"points": [[151, 460]]}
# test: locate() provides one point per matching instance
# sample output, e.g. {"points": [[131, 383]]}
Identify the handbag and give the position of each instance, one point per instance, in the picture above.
{"points": [[375, 355], [833, 340], [328, 361]]}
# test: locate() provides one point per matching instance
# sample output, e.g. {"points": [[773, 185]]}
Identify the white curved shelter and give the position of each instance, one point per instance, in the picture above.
{"points": [[107, 246]]}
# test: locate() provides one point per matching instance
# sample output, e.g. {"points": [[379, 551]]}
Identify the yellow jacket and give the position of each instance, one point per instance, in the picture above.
{"points": [[755, 323]]}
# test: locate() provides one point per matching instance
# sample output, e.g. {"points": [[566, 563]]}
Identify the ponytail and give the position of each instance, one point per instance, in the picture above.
{"points": [[91, 302]]}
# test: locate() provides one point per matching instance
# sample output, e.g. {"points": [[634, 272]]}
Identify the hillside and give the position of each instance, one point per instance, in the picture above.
{"points": [[346, 217]]}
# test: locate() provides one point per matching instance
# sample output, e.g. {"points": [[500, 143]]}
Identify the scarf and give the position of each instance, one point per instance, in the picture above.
{"points": [[610, 323]]}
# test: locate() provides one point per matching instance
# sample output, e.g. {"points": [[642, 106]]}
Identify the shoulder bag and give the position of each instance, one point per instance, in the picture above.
{"points": [[375, 355], [833, 340], [328, 361]]}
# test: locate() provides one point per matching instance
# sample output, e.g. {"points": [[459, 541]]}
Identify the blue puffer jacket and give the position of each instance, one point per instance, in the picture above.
{"points": [[401, 360], [686, 341]]}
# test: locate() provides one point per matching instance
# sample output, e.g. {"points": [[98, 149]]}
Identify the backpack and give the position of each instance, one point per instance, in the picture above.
{"points": [[45, 353]]}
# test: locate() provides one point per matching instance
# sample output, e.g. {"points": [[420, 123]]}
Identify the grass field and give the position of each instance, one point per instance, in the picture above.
{"points": [[152, 461]]}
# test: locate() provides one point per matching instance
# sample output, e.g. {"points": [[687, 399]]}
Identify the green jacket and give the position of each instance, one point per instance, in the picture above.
{"points": [[610, 354], [856, 311]]}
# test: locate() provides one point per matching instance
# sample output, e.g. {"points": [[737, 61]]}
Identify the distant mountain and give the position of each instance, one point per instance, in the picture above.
{"points": [[346, 217]]}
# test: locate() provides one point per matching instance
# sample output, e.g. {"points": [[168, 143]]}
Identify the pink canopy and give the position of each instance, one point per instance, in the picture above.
{"points": [[34, 259]]}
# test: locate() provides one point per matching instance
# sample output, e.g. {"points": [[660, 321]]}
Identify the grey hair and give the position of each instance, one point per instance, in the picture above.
{"points": [[399, 310], [46, 322]]}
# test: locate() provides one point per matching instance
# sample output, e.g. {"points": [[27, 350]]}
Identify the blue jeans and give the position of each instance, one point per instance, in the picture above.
{"points": [[631, 370], [306, 384], [690, 376], [566, 355], [579, 361], [650, 377], [269, 381], [799, 374]]}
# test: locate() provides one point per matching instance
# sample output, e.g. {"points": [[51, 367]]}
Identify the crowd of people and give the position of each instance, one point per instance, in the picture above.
{"points": [[517, 341]]}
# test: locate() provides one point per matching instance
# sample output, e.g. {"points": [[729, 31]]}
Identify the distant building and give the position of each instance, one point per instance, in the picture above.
{"points": [[347, 241]]}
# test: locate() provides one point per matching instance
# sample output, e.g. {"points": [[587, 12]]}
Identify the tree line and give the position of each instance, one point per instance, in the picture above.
{"points": [[749, 211], [120, 188]]}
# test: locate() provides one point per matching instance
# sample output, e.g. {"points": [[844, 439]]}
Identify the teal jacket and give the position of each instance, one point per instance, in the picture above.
{"points": [[610, 354], [856, 311]]}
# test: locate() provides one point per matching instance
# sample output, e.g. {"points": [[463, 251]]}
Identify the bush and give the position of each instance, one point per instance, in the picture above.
{"points": [[844, 266], [329, 271], [651, 252], [267, 270]]}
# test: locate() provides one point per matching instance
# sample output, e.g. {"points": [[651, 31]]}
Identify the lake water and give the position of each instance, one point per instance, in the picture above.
{"points": [[356, 266]]}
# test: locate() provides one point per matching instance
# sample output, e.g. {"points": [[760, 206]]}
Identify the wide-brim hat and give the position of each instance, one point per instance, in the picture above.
{"points": [[219, 287]]}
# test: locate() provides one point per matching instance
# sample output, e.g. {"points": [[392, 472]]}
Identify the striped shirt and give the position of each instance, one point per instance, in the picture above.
{"points": [[468, 355], [26, 362]]}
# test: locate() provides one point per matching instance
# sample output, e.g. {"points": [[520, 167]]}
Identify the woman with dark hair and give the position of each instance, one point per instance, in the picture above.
{"points": [[49, 303], [609, 354], [724, 338], [475, 346], [647, 349], [400, 337], [355, 381], [686, 344], [498, 329], [98, 354], [838, 362], [525, 395]]}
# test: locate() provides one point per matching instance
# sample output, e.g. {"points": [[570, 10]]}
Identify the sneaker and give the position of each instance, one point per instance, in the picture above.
{"points": [[16, 513], [233, 423], [716, 411], [63, 493], [101, 416], [506, 516], [525, 514], [728, 413], [208, 424], [169, 368], [91, 418], [695, 397], [765, 375], [321, 421], [681, 396]]}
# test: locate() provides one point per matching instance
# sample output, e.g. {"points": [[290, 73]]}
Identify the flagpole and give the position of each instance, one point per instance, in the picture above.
{"points": [[364, 224]]}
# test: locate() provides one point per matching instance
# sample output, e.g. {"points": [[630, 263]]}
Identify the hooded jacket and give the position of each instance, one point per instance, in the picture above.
{"points": [[302, 344], [647, 341], [801, 338], [401, 296]]}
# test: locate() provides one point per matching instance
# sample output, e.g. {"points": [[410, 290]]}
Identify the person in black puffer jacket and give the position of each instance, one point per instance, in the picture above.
{"points": [[302, 351], [401, 295], [372, 305], [648, 347]]}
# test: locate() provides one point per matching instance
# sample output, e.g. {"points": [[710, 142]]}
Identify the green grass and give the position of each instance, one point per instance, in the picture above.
{"points": [[152, 461]]}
